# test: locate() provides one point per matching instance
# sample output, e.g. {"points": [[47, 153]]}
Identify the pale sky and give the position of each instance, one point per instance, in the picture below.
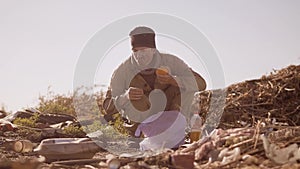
{"points": [[41, 41]]}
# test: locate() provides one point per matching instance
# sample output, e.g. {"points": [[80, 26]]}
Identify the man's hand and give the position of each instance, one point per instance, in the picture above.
{"points": [[134, 93], [166, 79]]}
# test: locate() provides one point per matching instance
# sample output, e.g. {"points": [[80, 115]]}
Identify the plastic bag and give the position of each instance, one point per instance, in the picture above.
{"points": [[162, 130]]}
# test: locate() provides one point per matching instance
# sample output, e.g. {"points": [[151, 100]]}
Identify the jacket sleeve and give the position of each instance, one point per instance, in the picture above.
{"points": [[109, 106], [199, 80], [188, 79], [118, 88]]}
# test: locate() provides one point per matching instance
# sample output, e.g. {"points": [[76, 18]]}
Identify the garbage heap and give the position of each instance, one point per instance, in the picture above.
{"points": [[272, 99], [257, 123], [252, 124]]}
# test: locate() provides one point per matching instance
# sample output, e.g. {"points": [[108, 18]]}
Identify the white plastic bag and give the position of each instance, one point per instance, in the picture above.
{"points": [[162, 130]]}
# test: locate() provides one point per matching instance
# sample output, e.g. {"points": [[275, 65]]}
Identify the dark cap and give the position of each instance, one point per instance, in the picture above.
{"points": [[142, 37]]}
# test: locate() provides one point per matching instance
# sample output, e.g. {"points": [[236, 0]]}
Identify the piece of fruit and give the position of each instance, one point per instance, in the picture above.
{"points": [[162, 71]]}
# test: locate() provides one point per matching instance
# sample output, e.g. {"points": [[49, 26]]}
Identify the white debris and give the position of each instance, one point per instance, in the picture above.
{"points": [[229, 156], [279, 155]]}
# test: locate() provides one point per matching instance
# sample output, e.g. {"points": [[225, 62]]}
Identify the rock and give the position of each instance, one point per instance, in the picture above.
{"points": [[6, 126], [55, 118], [2, 114], [42, 118], [250, 160], [183, 160]]}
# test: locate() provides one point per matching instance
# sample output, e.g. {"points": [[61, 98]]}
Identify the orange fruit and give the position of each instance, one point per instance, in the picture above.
{"points": [[162, 71]]}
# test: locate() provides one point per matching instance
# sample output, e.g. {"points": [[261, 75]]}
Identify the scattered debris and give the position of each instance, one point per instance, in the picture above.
{"points": [[2, 114], [23, 146], [272, 99], [279, 155], [183, 160], [112, 162], [67, 148], [259, 128], [6, 126]]}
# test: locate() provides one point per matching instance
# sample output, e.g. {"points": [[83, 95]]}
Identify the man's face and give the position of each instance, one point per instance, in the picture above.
{"points": [[143, 55]]}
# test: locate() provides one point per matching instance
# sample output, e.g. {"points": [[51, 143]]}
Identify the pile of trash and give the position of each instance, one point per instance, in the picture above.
{"points": [[257, 123], [32, 139], [38, 125], [252, 124], [273, 99]]}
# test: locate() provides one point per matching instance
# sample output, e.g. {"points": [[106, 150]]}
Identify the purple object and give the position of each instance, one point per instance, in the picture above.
{"points": [[165, 129], [157, 123]]}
